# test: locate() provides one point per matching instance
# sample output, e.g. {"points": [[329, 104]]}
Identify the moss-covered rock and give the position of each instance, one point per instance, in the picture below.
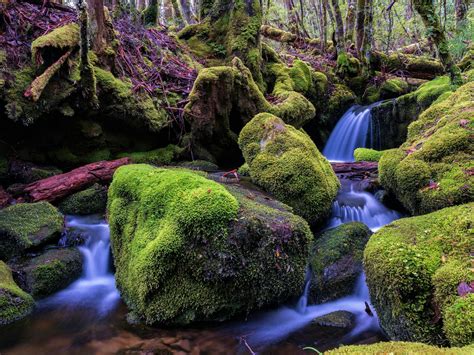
{"points": [[89, 201], [336, 261], [50, 272], [337, 319], [367, 154], [394, 116], [399, 348], [28, 225], [389, 89], [25, 172], [412, 259], [433, 168], [61, 38], [15, 303], [187, 249], [285, 162], [160, 156], [201, 165]]}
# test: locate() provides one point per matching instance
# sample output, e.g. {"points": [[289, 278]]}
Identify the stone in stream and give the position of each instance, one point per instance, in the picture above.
{"points": [[15, 303], [89, 201], [189, 249], [336, 261], [338, 319], [27, 226], [49, 272]]}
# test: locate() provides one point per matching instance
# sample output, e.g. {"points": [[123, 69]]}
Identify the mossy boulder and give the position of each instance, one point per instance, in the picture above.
{"points": [[414, 267], [337, 319], [27, 226], [399, 348], [336, 261], [393, 117], [389, 89], [367, 154], [433, 168], [89, 201], [50, 272], [285, 162], [188, 249], [160, 156], [15, 303]]}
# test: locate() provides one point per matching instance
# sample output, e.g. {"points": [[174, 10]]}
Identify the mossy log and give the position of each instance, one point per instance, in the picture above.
{"points": [[60, 186]]}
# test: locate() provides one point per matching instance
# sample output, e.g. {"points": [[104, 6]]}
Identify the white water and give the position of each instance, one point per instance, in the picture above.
{"points": [[351, 132], [96, 288]]}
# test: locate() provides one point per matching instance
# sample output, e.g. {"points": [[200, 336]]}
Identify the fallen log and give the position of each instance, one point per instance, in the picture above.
{"points": [[355, 168], [59, 186]]}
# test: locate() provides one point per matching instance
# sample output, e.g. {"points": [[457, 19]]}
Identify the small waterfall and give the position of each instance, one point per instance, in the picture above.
{"points": [[360, 206], [96, 288], [303, 300], [351, 132]]}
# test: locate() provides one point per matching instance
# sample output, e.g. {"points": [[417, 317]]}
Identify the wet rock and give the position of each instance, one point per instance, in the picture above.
{"points": [[338, 319], [51, 271], [28, 225], [73, 237], [336, 261], [90, 201]]}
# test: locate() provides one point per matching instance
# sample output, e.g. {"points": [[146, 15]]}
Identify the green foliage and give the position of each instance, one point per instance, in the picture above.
{"points": [[89, 201], [28, 225], [285, 162], [399, 348], [180, 242], [367, 154], [14, 302], [403, 263]]}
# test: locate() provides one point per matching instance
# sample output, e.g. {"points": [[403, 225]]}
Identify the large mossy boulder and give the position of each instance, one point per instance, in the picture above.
{"points": [[27, 226], [392, 117], [188, 249], [285, 162], [399, 348], [15, 303], [433, 169], [414, 268], [336, 261], [89, 201]]}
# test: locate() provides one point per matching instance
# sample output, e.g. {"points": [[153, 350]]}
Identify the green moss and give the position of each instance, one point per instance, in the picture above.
{"points": [[431, 90], [244, 170], [51, 271], [285, 162], [135, 109], [180, 243], [28, 225], [65, 37], [367, 154], [90, 201], [202, 165], [399, 348], [403, 263], [442, 134], [15, 304], [459, 321], [160, 156], [336, 261]]}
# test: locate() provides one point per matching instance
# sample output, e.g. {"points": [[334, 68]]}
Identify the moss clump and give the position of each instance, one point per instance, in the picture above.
{"points": [[431, 170], [399, 348], [285, 162], [244, 170], [186, 249], [63, 38], [90, 201], [404, 263], [134, 109], [367, 154], [202, 165], [51, 271], [27, 225], [389, 89], [336, 261], [160, 156], [15, 304], [459, 320]]}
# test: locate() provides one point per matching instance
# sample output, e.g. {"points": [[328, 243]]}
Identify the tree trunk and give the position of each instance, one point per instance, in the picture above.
{"points": [[339, 31], [368, 31], [360, 19], [350, 22], [461, 7], [426, 10], [177, 16], [186, 11], [98, 31], [140, 5]]}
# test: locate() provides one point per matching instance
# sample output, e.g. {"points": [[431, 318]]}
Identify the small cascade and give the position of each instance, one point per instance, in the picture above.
{"points": [[303, 300], [360, 206], [96, 288], [351, 132]]}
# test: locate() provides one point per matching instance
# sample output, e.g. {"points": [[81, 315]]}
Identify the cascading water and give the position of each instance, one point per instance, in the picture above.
{"points": [[351, 132], [96, 288]]}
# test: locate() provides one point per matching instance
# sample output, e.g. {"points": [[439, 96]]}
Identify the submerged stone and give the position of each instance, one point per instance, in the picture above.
{"points": [[188, 249], [338, 319]]}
